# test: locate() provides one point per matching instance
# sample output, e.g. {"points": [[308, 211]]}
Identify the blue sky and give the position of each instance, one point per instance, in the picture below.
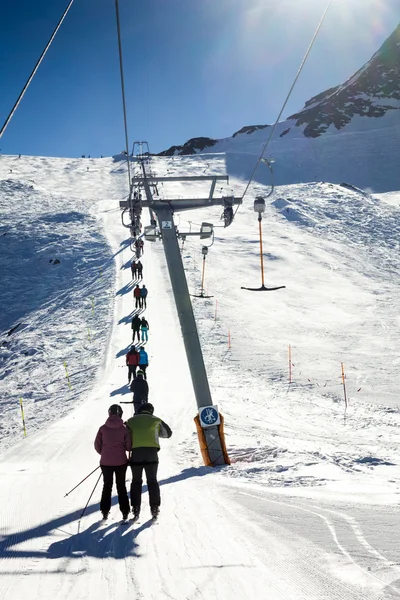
{"points": [[192, 67]]}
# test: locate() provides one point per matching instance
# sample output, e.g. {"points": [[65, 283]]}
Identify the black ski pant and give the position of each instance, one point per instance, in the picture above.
{"points": [[134, 273], [136, 331], [152, 484], [131, 371], [144, 303], [140, 274], [143, 368], [136, 405], [138, 303], [108, 478]]}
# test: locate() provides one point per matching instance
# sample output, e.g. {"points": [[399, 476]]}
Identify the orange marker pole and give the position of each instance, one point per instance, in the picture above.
{"points": [[261, 251], [344, 387]]}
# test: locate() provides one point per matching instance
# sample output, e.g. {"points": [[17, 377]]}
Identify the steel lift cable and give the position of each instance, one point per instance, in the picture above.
{"points": [[121, 68], [31, 76], [261, 158]]}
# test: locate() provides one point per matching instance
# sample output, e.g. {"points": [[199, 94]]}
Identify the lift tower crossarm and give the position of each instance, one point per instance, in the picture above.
{"points": [[155, 179], [182, 203]]}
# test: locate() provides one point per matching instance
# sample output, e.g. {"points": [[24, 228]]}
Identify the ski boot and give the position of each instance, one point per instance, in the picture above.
{"points": [[105, 515], [136, 512], [155, 511]]}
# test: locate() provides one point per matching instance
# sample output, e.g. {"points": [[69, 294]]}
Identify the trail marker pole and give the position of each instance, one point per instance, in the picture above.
{"points": [[89, 335], [344, 388], [290, 363], [93, 304], [23, 416], [216, 309], [66, 375]]}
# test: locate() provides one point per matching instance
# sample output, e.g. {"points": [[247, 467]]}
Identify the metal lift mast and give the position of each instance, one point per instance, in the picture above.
{"points": [[164, 210]]}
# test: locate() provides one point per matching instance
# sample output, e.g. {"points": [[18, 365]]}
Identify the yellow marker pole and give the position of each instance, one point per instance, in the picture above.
{"points": [[23, 416], [344, 386], [93, 304], [89, 335], [67, 376], [101, 272]]}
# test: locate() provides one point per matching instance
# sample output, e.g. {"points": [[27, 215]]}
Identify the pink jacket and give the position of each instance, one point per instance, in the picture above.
{"points": [[112, 442]]}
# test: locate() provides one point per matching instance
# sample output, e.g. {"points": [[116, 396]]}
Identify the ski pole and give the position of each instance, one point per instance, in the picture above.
{"points": [[74, 488], [90, 497]]}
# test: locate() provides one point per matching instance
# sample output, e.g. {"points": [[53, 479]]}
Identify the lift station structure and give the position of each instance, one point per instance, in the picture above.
{"points": [[164, 210]]}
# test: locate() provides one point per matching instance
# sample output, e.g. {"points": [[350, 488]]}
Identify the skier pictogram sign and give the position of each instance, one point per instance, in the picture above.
{"points": [[209, 416]]}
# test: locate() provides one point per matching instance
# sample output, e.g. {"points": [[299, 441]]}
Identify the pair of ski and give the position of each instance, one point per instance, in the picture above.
{"points": [[134, 519]]}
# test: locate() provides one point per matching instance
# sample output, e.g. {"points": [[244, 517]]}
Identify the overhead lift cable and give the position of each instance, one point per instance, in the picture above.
{"points": [[121, 68], [261, 158], [31, 76]]}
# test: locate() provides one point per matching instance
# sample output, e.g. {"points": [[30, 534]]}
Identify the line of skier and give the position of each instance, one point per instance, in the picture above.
{"points": [[139, 435]]}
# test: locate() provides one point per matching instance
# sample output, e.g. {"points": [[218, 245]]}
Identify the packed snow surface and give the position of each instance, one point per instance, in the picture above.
{"points": [[309, 507]]}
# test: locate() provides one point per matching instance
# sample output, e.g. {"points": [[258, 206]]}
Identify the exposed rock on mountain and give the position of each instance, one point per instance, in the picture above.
{"points": [[250, 129], [190, 147]]}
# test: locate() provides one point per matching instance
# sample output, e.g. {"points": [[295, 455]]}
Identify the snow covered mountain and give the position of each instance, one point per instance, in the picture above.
{"points": [[358, 122]]}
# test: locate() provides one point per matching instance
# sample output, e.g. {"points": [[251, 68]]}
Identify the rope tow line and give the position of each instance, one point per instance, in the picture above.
{"points": [[31, 76], [261, 158]]}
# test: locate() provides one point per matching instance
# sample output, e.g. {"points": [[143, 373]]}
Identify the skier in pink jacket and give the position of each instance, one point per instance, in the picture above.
{"points": [[113, 441]]}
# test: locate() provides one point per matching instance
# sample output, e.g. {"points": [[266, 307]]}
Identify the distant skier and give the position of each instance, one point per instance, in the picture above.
{"points": [[137, 296], [132, 361], [144, 326], [143, 361], [143, 296], [146, 429], [134, 269], [139, 247], [140, 269], [136, 322], [113, 441], [140, 391]]}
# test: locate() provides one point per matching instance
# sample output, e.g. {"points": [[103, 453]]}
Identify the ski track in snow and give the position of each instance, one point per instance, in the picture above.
{"points": [[309, 507]]}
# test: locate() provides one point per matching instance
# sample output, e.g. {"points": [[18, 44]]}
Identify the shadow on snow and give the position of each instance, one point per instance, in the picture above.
{"points": [[110, 539]]}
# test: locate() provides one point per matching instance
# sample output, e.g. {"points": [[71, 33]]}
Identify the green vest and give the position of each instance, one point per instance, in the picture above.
{"points": [[144, 429]]}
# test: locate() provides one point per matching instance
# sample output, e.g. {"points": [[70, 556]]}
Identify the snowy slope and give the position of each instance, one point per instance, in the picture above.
{"points": [[308, 508]]}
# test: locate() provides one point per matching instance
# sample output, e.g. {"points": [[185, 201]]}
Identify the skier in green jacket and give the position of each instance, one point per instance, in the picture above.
{"points": [[146, 429]]}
